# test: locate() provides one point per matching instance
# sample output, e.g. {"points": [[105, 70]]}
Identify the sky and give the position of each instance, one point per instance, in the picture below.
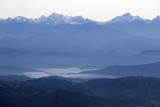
{"points": [[99, 10]]}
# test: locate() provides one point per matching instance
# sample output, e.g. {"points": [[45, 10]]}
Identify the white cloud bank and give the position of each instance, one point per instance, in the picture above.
{"points": [[68, 73]]}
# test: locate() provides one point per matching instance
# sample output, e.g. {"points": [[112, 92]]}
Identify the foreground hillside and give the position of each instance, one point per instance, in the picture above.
{"points": [[49, 92]]}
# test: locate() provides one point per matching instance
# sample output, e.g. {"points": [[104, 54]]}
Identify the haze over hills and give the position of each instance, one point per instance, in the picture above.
{"points": [[59, 41], [8, 70], [69, 38], [51, 59], [146, 70], [67, 33]]}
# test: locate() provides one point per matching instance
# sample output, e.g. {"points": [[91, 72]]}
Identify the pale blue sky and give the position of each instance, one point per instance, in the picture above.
{"points": [[100, 10]]}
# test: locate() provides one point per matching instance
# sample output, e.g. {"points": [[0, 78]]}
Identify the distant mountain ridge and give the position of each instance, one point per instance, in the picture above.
{"points": [[56, 19], [128, 18], [134, 25]]}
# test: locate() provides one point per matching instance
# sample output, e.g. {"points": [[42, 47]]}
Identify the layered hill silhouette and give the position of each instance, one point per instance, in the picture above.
{"points": [[147, 70], [48, 92], [58, 34]]}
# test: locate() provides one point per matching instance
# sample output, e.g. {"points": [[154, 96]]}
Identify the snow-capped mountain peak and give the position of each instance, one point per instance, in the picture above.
{"points": [[125, 18], [22, 19], [53, 19], [61, 19], [40, 19]]}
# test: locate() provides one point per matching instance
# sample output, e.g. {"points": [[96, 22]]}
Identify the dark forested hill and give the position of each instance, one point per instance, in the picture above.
{"points": [[14, 95], [139, 88]]}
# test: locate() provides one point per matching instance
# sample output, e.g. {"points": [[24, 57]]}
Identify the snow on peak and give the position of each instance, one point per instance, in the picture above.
{"points": [[60, 18], [51, 19], [55, 19], [40, 19], [125, 18], [22, 19]]}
